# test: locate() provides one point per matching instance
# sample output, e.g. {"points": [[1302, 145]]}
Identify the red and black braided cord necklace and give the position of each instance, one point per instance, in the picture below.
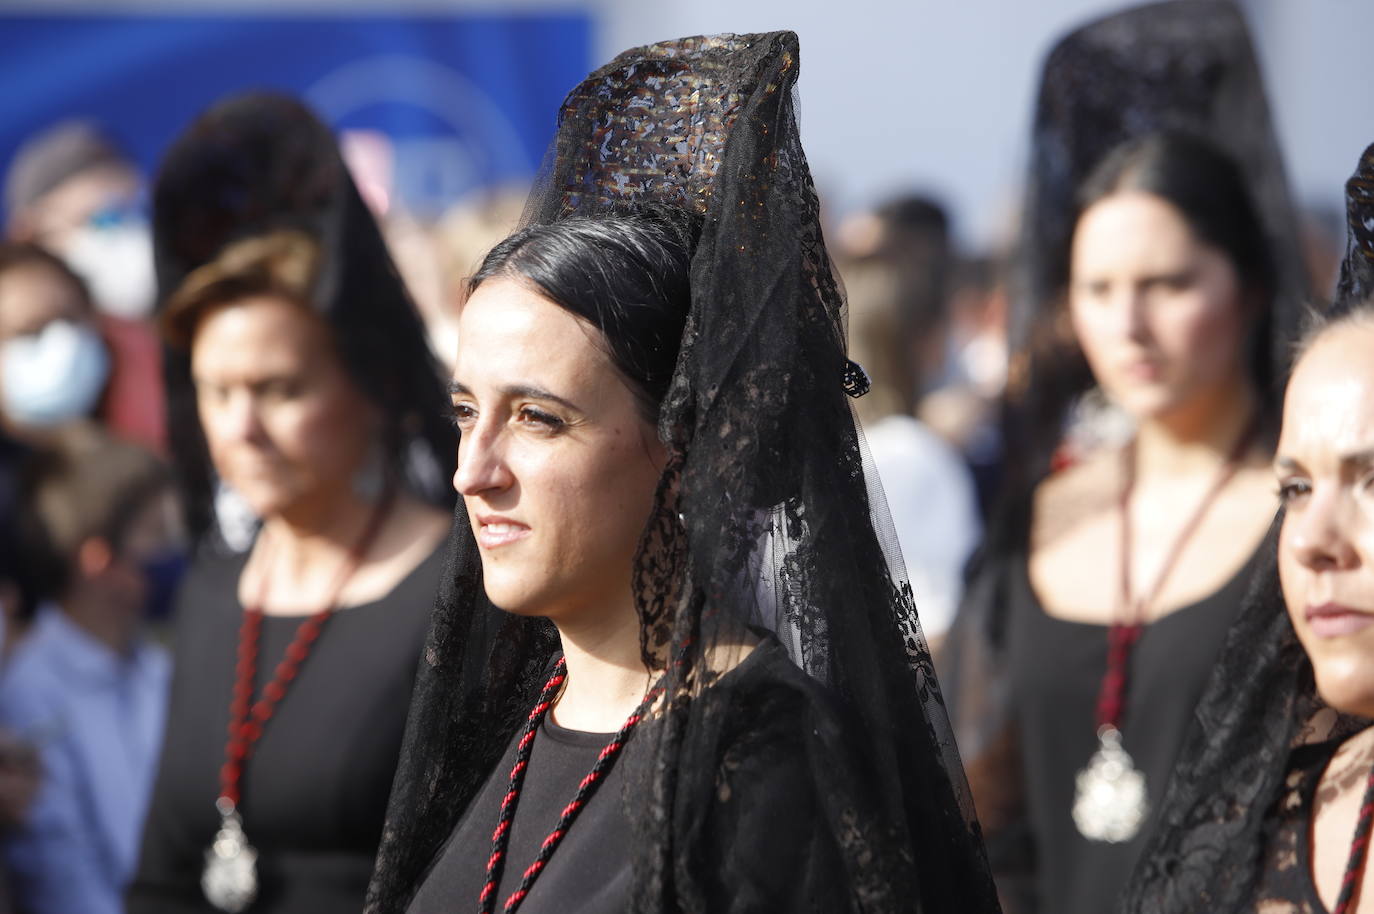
{"points": [[1359, 852], [247, 717], [500, 837]]}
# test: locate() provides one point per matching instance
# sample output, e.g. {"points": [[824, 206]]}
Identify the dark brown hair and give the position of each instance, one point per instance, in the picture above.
{"points": [[80, 485]]}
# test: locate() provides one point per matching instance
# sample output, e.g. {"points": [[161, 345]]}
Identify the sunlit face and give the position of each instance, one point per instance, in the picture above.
{"points": [[286, 426], [55, 216], [1157, 312], [556, 465], [1325, 466]]}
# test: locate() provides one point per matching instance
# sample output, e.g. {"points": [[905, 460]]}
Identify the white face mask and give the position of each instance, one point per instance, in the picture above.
{"points": [[54, 375], [115, 257]]}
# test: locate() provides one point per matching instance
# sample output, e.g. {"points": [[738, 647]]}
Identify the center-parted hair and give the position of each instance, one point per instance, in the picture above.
{"points": [[627, 273], [1208, 189]]}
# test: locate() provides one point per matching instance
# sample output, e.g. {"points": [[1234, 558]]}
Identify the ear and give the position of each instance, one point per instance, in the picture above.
{"points": [[94, 557]]}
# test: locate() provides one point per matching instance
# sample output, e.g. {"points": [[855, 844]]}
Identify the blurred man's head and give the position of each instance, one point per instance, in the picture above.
{"points": [[71, 189], [101, 528]]}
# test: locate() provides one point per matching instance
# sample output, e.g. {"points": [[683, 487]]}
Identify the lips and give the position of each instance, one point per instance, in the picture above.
{"points": [[1332, 620], [494, 531], [1142, 370]]}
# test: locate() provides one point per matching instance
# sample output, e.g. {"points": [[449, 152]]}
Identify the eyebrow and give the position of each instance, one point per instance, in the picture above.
{"points": [[1363, 457], [515, 391]]}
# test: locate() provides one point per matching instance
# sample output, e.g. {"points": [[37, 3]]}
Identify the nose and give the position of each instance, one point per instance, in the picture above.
{"points": [[1319, 534], [482, 466], [1135, 323]]}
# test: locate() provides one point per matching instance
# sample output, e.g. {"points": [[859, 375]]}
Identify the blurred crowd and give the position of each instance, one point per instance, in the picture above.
{"points": [[99, 519]]}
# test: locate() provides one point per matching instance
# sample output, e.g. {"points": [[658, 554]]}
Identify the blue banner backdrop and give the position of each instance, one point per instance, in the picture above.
{"points": [[464, 100]]}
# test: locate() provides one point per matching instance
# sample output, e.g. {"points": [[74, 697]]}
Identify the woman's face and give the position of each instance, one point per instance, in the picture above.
{"points": [[556, 466], [1157, 312], [1325, 467], [285, 424], [53, 362]]}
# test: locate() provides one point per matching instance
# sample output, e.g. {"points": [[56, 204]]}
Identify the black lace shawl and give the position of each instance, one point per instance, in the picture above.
{"points": [[256, 163], [1184, 65], [766, 518], [1209, 849]]}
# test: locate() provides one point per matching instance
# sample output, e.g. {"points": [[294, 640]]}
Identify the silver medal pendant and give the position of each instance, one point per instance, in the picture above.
{"points": [[1110, 802], [230, 878]]}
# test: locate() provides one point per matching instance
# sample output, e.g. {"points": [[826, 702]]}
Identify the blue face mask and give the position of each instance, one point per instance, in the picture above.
{"points": [[163, 574], [54, 375]]}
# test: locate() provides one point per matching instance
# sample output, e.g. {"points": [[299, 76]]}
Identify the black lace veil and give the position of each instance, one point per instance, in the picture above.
{"points": [[1261, 702], [767, 518], [257, 163]]}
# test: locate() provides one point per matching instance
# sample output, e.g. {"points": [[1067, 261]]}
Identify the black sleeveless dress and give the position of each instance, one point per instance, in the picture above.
{"points": [[315, 790], [1055, 672]]}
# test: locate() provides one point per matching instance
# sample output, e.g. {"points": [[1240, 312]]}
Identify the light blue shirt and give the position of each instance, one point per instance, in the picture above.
{"points": [[96, 718]]}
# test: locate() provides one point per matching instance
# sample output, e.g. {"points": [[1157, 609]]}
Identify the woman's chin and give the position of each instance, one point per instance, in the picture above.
{"points": [[1348, 691], [516, 599]]}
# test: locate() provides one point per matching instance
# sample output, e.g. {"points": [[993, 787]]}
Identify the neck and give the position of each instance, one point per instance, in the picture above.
{"points": [[304, 537], [1193, 438], [606, 678]]}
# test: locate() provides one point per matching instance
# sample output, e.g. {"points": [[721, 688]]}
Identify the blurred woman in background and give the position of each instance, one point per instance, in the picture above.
{"points": [[1155, 294], [302, 368]]}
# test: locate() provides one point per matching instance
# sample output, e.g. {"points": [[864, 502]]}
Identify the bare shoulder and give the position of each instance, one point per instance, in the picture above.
{"points": [[1072, 497]]}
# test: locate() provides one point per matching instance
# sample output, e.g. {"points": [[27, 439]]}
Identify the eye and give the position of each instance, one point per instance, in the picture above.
{"points": [[1176, 282], [1293, 490], [1093, 290], [280, 389], [210, 393], [462, 415], [539, 418]]}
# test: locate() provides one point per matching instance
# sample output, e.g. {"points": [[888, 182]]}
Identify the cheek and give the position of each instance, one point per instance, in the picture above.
{"points": [[610, 492], [1292, 574], [1087, 326], [219, 426], [1097, 331], [325, 428], [1203, 331]]}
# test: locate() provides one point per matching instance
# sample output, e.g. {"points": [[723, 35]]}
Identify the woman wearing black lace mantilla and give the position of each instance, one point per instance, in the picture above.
{"points": [[673, 667], [298, 375], [1272, 802]]}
